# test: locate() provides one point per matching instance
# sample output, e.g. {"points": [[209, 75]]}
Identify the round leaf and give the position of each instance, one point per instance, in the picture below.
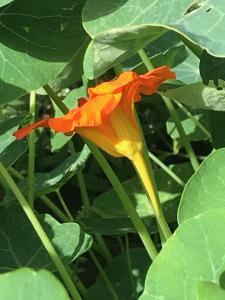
{"points": [[194, 253]]}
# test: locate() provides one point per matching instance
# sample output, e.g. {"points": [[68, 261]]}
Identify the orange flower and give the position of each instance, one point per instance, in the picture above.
{"points": [[107, 118]]}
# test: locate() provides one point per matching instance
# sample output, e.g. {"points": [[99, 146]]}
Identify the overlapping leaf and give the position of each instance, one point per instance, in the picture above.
{"points": [[120, 28], [28, 57], [194, 253], [29, 284], [21, 247], [206, 189], [126, 272]]}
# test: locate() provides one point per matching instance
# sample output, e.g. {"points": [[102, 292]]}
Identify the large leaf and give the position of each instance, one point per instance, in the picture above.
{"points": [[199, 95], [191, 129], [109, 217], [206, 188], [49, 182], [210, 291], [10, 155], [4, 2], [126, 273], [194, 253], [211, 68], [26, 284], [7, 127], [138, 23], [168, 50], [37, 42], [21, 247]]}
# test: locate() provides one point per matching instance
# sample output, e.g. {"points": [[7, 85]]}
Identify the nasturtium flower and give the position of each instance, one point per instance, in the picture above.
{"points": [[107, 117]]}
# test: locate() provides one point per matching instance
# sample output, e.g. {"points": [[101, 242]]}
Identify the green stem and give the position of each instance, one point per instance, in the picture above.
{"points": [[81, 287], [48, 202], [31, 153], [183, 108], [180, 129], [55, 98], [41, 233], [125, 200], [80, 180], [79, 175], [123, 196], [70, 217], [104, 276], [166, 169], [147, 62], [104, 248], [130, 266], [174, 115]]}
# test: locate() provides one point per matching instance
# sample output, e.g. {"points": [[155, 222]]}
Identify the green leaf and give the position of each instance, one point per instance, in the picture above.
{"points": [[217, 120], [200, 24], [28, 284], [111, 48], [199, 95], [188, 70], [210, 291], [37, 42], [206, 189], [168, 50], [193, 132], [13, 152], [127, 279], [211, 68], [16, 230], [7, 127], [59, 140], [46, 183], [73, 71], [109, 217], [194, 253], [4, 2]]}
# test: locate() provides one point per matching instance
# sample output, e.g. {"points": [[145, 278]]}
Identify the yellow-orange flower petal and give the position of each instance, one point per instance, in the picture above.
{"points": [[107, 118]]}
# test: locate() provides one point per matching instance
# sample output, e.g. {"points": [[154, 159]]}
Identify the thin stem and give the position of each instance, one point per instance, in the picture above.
{"points": [[31, 153], [180, 129], [166, 169], [15, 173], [41, 233], [194, 119], [123, 196], [79, 175], [174, 115], [104, 276], [47, 201], [55, 98], [80, 180], [147, 62], [58, 193], [104, 248], [81, 287], [125, 200], [130, 266]]}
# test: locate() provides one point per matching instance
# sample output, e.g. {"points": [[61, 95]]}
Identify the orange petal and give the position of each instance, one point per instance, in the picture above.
{"points": [[91, 113], [21, 133], [113, 85], [151, 81]]}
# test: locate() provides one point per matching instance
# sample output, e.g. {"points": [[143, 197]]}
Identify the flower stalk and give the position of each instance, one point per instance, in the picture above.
{"points": [[41, 234]]}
